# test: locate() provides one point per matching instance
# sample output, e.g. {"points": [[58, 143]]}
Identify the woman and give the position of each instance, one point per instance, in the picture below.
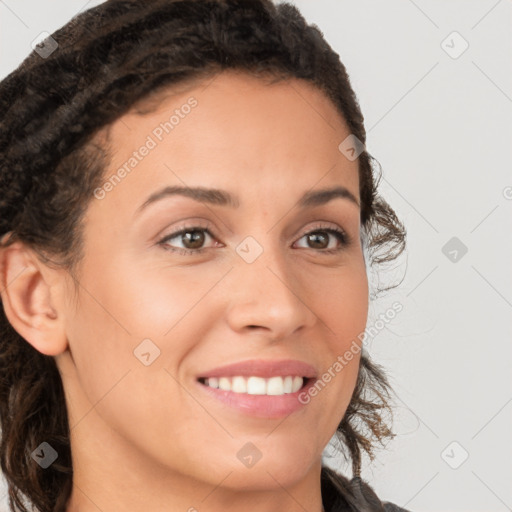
{"points": [[188, 214]]}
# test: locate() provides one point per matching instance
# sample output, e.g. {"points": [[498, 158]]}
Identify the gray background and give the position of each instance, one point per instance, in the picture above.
{"points": [[441, 127]]}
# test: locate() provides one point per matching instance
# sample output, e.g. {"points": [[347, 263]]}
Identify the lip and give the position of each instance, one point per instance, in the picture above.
{"points": [[263, 368], [259, 406]]}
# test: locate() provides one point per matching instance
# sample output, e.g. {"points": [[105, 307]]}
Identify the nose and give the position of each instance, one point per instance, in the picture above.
{"points": [[268, 296]]}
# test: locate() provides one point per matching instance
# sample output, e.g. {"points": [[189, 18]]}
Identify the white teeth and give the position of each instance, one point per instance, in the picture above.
{"points": [[213, 382], [224, 384], [257, 385], [297, 384], [275, 386], [239, 385]]}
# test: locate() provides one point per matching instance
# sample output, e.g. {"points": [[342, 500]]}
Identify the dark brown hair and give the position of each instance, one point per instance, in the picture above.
{"points": [[108, 59]]}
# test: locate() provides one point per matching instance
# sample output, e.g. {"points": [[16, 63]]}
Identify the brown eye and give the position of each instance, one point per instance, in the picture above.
{"points": [[192, 240], [319, 239]]}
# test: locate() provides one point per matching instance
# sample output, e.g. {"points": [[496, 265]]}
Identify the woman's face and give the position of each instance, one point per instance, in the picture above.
{"points": [[157, 310]]}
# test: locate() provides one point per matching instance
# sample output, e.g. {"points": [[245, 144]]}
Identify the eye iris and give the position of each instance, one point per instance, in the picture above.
{"points": [[197, 238], [316, 235]]}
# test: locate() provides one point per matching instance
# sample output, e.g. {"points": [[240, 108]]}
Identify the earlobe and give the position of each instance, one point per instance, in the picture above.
{"points": [[28, 299]]}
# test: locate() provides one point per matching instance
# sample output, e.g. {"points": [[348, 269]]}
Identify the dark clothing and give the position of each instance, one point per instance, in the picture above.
{"points": [[339, 494]]}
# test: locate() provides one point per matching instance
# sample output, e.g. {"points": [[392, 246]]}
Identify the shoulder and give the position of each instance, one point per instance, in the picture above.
{"points": [[391, 507], [340, 494]]}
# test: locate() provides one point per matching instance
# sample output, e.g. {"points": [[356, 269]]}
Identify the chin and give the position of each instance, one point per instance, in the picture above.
{"points": [[278, 469]]}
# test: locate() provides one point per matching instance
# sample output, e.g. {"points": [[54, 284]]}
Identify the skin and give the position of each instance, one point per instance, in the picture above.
{"points": [[144, 437]]}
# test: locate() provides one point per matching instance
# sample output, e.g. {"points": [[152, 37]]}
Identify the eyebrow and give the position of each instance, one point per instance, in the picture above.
{"points": [[223, 198]]}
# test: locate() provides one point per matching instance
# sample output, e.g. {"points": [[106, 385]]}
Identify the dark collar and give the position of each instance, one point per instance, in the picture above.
{"points": [[339, 494]]}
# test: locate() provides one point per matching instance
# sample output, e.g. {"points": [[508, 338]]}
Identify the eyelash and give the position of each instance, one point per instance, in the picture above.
{"points": [[341, 235]]}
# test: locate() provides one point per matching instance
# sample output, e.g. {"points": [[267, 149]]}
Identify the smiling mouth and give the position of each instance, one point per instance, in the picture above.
{"points": [[253, 385]]}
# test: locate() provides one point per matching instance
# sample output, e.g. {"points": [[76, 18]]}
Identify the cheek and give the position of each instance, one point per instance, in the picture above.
{"points": [[119, 313], [344, 311], [145, 302], [128, 303], [338, 296], [342, 304]]}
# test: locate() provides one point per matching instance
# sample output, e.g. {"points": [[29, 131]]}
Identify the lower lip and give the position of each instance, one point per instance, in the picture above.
{"points": [[261, 406]]}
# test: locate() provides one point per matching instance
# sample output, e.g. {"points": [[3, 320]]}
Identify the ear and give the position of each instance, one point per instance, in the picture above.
{"points": [[29, 291]]}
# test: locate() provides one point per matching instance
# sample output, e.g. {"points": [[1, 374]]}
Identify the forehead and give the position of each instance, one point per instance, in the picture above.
{"points": [[233, 129]]}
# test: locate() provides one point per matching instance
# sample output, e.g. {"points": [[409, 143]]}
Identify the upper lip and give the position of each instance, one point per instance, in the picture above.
{"points": [[263, 368]]}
